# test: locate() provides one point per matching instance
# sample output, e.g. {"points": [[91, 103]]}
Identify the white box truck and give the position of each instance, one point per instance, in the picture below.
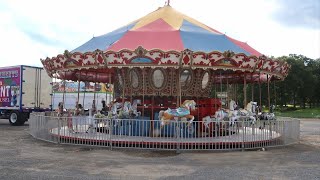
{"points": [[23, 89]]}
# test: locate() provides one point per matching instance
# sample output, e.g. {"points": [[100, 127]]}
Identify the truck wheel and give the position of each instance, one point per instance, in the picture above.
{"points": [[16, 119]]}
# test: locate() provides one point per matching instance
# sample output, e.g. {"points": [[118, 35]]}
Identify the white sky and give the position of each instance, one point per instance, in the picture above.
{"points": [[33, 29]]}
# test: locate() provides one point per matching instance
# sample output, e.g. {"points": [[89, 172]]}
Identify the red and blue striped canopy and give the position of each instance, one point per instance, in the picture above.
{"points": [[166, 29]]}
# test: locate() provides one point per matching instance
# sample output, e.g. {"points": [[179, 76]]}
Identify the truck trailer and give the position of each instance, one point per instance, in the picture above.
{"points": [[23, 89]]}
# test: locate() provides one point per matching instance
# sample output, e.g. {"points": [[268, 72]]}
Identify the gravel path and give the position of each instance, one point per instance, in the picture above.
{"points": [[23, 157]]}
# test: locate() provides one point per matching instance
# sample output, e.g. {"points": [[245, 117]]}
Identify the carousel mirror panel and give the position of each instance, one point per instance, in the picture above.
{"points": [[158, 78], [186, 78], [205, 80], [134, 78], [120, 79]]}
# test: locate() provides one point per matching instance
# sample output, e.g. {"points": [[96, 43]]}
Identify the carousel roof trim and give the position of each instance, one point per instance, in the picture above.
{"points": [[214, 60]]}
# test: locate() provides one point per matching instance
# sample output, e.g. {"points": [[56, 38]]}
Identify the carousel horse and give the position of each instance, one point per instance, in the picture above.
{"points": [[113, 113], [249, 112], [134, 108], [125, 112], [182, 113]]}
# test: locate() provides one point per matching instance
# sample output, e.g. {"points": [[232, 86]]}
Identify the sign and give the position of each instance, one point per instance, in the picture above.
{"points": [[72, 87], [10, 87]]}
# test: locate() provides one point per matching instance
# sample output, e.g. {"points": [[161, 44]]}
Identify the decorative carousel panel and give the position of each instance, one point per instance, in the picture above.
{"points": [[58, 61], [113, 58], [141, 60], [77, 57], [88, 59], [48, 66], [126, 56], [186, 58], [100, 59], [170, 58], [246, 62], [73, 61], [267, 65], [155, 55], [200, 59]]}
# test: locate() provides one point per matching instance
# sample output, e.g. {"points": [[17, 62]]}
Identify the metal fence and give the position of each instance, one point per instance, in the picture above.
{"points": [[176, 135]]}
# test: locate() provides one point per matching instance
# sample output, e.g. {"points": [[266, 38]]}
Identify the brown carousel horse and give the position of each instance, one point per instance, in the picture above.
{"points": [[181, 113]]}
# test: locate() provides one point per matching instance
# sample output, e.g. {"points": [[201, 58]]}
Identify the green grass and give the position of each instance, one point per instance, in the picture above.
{"points": [[300, 113]]}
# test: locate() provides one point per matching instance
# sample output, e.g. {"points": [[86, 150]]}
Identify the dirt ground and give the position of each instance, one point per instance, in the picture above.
{"points": [[23, 157]]}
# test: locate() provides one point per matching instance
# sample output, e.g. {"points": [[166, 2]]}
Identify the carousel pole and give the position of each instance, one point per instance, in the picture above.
{"points": [[54, 82], [252, 88], [143, 92], [64, 91], [109, 87], [275, 95], [268, 91], [245, 90], [221, 87], [123, 87], [84, 92], [260, 94], [227, 103], [78, 98], [215, 90], [94, 107], [179, 89]]}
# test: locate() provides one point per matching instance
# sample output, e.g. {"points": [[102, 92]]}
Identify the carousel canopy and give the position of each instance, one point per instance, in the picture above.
{"points": [[167, 29], [163, 39]]}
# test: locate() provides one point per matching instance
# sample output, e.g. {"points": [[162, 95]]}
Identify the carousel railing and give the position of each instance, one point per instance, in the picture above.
{"points": [[177, 135]]}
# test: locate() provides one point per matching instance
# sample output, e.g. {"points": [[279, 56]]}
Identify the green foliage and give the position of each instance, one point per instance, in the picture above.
{"points": [[302, 86], [300, 113]]}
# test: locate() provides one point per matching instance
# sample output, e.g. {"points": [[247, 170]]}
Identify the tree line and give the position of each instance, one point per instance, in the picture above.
{"points": [[300, 88]]}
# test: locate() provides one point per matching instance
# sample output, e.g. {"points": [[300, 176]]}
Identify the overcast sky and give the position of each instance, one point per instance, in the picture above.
{"points": [[33, 29]]}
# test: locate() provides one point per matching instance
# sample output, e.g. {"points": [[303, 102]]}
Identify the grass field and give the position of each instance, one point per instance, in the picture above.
{"points": [[300, 113]]}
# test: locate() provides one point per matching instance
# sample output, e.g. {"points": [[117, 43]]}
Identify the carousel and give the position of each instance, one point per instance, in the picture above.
{"points": [[172, 77]]}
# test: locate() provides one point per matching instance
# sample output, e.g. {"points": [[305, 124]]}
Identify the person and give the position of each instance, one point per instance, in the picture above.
{"points": [[104, 109], [79, 111], [60, 109]]}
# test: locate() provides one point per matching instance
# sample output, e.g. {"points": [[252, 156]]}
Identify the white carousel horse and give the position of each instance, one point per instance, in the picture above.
{"points": [[249, 112], [232, 105], [125, 112], [134, 108], [113, 113], [182, 113]]}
